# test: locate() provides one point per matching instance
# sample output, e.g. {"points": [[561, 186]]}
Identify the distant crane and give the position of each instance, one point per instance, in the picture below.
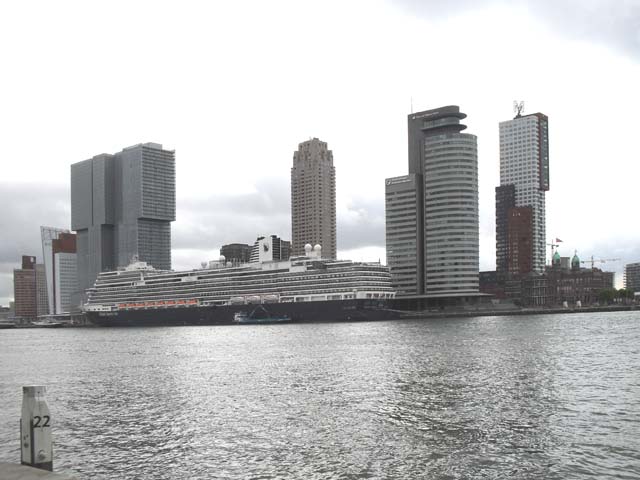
{"points": [[553, 245], [599, 260]]}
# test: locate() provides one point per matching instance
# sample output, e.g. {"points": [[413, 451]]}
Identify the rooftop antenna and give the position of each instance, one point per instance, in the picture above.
{"points": [[518, 107], [411, 104]]}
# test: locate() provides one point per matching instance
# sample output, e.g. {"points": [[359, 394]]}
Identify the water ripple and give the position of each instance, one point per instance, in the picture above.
{"points": [[553, 397]]}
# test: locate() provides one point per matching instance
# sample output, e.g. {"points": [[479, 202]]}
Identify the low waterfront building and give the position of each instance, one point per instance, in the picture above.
{"points": [[559, 285], [490, 285]]}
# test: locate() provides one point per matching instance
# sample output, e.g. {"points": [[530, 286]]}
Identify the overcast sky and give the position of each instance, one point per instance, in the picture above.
{"points": [[233, 87]]}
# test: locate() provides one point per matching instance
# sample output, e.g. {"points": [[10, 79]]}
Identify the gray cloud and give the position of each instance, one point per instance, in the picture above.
{"points": [[206, 223], [615, 24], [27, 207], [361, 225], [627, 250], [203, 223], [209, 222]]}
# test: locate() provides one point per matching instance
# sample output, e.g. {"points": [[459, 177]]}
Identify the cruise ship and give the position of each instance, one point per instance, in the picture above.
{"points": [[307, 288]]}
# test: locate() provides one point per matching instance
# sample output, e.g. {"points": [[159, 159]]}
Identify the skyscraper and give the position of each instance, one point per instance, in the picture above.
{"points": [[524, 163], [313, 198], [30, 289], [48, 235], [441, 193], [404, 233], [59, 258], [66, 296], [505, 200], [632, 277], [122, 207]]}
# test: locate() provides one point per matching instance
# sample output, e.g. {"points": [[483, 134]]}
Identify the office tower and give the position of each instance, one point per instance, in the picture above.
{"points": [[30, 289], [59, 265], [441, 189], [514, 235], [313, 198], [65, 282], [505, 200], [269, 248], [632, 277], [404, 233], [236, 252], [122, 206], [524, 163], [519, 238]]}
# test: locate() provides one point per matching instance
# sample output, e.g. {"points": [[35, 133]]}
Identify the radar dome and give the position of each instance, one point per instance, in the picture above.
{"points": [[317, 248], [308, 248], [223, 258]]}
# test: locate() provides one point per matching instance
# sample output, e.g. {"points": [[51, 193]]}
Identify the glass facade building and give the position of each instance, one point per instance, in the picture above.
{"points": [[441, 194]]}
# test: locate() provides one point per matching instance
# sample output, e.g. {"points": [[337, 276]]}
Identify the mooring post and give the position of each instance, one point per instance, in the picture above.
{"points": [[35, 429]]}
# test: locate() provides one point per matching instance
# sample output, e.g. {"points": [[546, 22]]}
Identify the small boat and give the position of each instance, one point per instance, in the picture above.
{"points": [[47, 324], [259, 315], [5, 325]]}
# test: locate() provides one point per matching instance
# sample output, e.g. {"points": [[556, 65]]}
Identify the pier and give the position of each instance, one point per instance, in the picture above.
{"points": [[36, 444], [11, 471]]}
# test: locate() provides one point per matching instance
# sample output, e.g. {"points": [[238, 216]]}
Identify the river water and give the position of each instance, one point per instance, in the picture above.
{"points": [[539, 397]]}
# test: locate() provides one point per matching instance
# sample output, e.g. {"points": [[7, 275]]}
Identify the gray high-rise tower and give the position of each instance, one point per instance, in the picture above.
{"points": [[524, 167], [122, 206], [313, 199], [432, 213]]}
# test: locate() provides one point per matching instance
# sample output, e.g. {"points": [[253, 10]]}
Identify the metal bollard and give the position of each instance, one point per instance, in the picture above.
{"points": [[35, 429]]}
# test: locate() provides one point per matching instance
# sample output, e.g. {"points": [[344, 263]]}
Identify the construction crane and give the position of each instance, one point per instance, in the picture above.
{"points": [[553, 245], [599, 260]]}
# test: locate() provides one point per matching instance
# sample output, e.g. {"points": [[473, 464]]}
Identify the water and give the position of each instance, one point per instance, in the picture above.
{"points": [[554, 396]]}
